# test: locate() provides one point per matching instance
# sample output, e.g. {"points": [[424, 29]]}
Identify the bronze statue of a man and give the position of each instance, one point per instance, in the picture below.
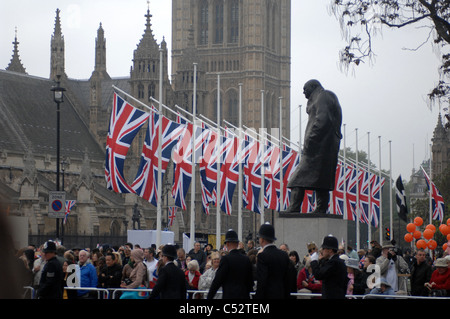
{"points": [[317, 168]]}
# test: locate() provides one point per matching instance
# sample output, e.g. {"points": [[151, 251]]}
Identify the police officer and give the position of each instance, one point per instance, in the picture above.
{"points": [[272, 267], [51, 283], [330, 269], [234, 274], [171, 283]]}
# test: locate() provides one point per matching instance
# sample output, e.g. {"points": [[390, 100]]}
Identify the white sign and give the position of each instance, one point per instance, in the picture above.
{"points": [[56, 204]]}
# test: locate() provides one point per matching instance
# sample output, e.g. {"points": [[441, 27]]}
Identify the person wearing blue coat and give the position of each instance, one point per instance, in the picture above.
{"points": [[88, 275]]}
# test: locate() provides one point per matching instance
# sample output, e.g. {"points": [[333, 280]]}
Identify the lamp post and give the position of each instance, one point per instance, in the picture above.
{"points": [[58, 97]]}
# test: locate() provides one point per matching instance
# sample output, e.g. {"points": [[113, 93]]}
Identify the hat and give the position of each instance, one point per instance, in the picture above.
{"points": [[330, 242], [267, 232], [231, 236], [387, 245], [352, 263], [49, 247], [383, 281], [169, 251], [441, 262]]}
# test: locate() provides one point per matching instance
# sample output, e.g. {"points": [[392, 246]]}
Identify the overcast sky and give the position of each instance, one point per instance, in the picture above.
{"points": [[387, 98]]}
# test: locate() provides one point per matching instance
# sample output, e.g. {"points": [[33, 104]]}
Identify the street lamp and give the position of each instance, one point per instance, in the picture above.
{"points": [[58, 97]]}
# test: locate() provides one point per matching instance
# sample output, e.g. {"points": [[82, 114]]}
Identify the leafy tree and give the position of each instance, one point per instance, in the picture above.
{"points": [[361, 20]]}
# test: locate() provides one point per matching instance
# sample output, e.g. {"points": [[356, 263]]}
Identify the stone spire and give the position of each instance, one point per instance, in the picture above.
{"points": [[15, 64], [100, 54], [57, 60]]}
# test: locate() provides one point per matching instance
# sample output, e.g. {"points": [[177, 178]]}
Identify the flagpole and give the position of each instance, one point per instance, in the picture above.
{"points": [[390, 191], [194, 112], [159, 188], [218, 225], [381, 193], [345, 173], [357, 194], [300, 129], [240, 186], [281, 155], [262, 159], [430, 188], [369, 229]]}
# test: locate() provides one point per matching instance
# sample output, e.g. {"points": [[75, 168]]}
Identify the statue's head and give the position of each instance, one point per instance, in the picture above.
{"points": [[310, 87]]}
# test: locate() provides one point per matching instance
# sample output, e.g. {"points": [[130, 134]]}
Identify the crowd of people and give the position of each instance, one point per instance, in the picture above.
{"points": [[258, 270]]}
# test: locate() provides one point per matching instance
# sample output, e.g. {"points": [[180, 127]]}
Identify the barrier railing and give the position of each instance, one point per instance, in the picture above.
{"points": [[111, 293]]}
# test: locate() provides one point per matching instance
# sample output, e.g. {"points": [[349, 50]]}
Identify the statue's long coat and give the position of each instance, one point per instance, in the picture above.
{"points": [[317, 168]]}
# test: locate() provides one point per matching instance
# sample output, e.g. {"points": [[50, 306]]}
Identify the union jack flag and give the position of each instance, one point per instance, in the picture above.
{"points": [[291, 160], [208, 170], [146, 181], [252, 174], [183, 163], [377, 186], [125, 123], [309, 202], [352, 189], [339, 190], [437, 201], [69, 205], [364, 195], [272, 177], [229, 172], [172, 213]]}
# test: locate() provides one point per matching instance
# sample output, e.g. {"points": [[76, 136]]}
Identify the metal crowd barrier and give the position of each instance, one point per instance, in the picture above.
{"points": [[111, 293]]}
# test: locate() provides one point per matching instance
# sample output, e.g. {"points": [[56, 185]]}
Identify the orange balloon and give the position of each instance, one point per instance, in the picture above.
{"points": [[448, 222], [448, 237], [428, 234], [444, 247], [418, 221], [432, 244], [444, 229], [431, 226], [421, 244], [411, 227], [417, 234], [408, 237]]}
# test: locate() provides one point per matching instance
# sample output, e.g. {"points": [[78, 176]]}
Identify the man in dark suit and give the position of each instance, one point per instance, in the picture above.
{"points": [[171, 283], [51, 283], [330, 269], [234, 274], [272, 267]]}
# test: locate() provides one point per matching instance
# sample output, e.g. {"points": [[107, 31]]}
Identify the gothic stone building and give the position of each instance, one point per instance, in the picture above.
{"points": [[247, 42]]}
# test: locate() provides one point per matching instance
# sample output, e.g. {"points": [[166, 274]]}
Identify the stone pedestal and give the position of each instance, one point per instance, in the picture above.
{"points": [[297, 230]]}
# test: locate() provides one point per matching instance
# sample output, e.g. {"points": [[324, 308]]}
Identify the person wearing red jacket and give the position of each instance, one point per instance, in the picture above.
{"points": [[306, 283], [439, 284], [193, 275]]}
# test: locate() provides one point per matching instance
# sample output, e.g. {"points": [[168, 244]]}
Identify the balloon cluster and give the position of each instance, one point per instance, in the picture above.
{"points": [[425, 239]]}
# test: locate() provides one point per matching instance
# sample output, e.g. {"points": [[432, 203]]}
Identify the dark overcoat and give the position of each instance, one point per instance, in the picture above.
{"points": [[333, 274], [272, 274], [234, 275], [171, 283], [317, 168]]}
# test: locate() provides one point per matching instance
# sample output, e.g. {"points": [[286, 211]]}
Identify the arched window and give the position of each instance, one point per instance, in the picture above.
{"points": [[140, 91]]}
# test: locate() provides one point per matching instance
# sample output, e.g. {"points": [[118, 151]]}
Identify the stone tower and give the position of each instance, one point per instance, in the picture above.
{"points": [[440, 149], [57, 55], [98, 76], [245, 41]]}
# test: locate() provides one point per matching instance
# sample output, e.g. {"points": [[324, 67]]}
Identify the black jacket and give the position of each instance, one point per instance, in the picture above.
{"points": [[420, 274], [234, 275], [333, 274], [110, 277], [272, 274], [171, 283], [51, 283]]}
